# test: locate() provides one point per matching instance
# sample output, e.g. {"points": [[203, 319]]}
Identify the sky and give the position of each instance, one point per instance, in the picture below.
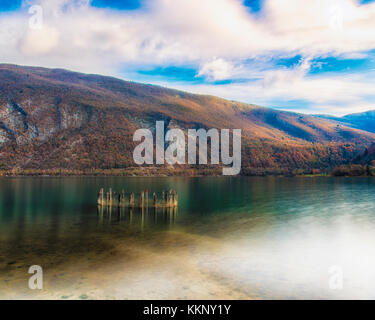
{"points": [[305, 56]]}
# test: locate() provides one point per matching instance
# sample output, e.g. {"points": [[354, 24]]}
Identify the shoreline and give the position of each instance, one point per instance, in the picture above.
{"points": [[354, 170], [176, 176]]}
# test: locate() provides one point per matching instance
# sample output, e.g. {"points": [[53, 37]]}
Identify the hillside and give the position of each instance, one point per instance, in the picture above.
{"points": [[57, 119], [366, 157]]}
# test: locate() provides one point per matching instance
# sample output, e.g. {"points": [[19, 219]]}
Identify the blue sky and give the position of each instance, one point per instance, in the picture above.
{"points": [[319, 66], [254, 5], [9, 5], [117, 4], [306, 56]]}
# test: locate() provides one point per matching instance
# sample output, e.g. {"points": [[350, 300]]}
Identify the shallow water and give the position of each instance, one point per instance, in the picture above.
{"points": [[262, 237]]}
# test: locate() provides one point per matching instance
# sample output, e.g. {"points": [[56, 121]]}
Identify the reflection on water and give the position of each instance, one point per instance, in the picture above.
{"points": [[265, 237], [148, 217]]}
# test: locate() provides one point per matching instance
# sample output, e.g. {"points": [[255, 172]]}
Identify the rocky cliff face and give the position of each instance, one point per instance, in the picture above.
{"points": [[61, 119], [24, 123]]}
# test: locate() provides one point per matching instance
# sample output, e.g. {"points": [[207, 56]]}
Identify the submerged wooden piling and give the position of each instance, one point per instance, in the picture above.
{"points": [[154, 199], [175, 198], [101, 197], [122, 202], [142, 200], [146, 198], [131, 200], [168, 199]]}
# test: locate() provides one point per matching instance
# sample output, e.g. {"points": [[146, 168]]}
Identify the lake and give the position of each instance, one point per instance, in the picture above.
{"points": [[240, 238]]}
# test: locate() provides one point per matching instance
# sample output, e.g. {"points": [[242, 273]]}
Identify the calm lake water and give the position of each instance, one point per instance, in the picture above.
{"points": [[279, 237]]}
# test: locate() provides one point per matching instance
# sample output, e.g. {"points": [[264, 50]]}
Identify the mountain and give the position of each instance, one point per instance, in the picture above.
{"points": [[57, 119], [363, 121]]}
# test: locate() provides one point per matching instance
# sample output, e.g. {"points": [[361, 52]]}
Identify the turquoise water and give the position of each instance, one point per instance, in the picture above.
{"points": [[282, 237]]}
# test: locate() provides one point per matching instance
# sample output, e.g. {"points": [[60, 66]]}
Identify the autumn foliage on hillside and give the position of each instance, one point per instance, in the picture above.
{"points": [[60, 121]]}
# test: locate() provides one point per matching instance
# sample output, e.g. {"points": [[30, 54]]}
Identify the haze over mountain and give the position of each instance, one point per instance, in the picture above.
{"points": [[364, 120], [54, 118]]}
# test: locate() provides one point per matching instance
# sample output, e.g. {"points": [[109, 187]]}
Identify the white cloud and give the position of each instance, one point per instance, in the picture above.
{"points": [[217, 35], [39, 42], [198, 31], [334, 94], [218, 69]]}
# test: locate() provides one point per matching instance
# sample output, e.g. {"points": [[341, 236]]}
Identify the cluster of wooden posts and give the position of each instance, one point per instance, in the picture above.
{"points": [[143, 217], [169, 199]]}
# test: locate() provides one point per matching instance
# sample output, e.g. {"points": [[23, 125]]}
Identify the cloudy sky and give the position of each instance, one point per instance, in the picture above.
{"points": [[301, 55]]}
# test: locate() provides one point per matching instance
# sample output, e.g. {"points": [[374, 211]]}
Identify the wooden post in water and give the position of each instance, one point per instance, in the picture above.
{"points": [[169, 199], [175, 198], [170, 202], [110, 197], [123, 198], [119, 198], [146, 198], [142, 200], [154, 199], [101, 197]]}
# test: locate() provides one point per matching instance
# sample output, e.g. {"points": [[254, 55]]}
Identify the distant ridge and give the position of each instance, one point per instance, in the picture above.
{"points": [[363, 121]]}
